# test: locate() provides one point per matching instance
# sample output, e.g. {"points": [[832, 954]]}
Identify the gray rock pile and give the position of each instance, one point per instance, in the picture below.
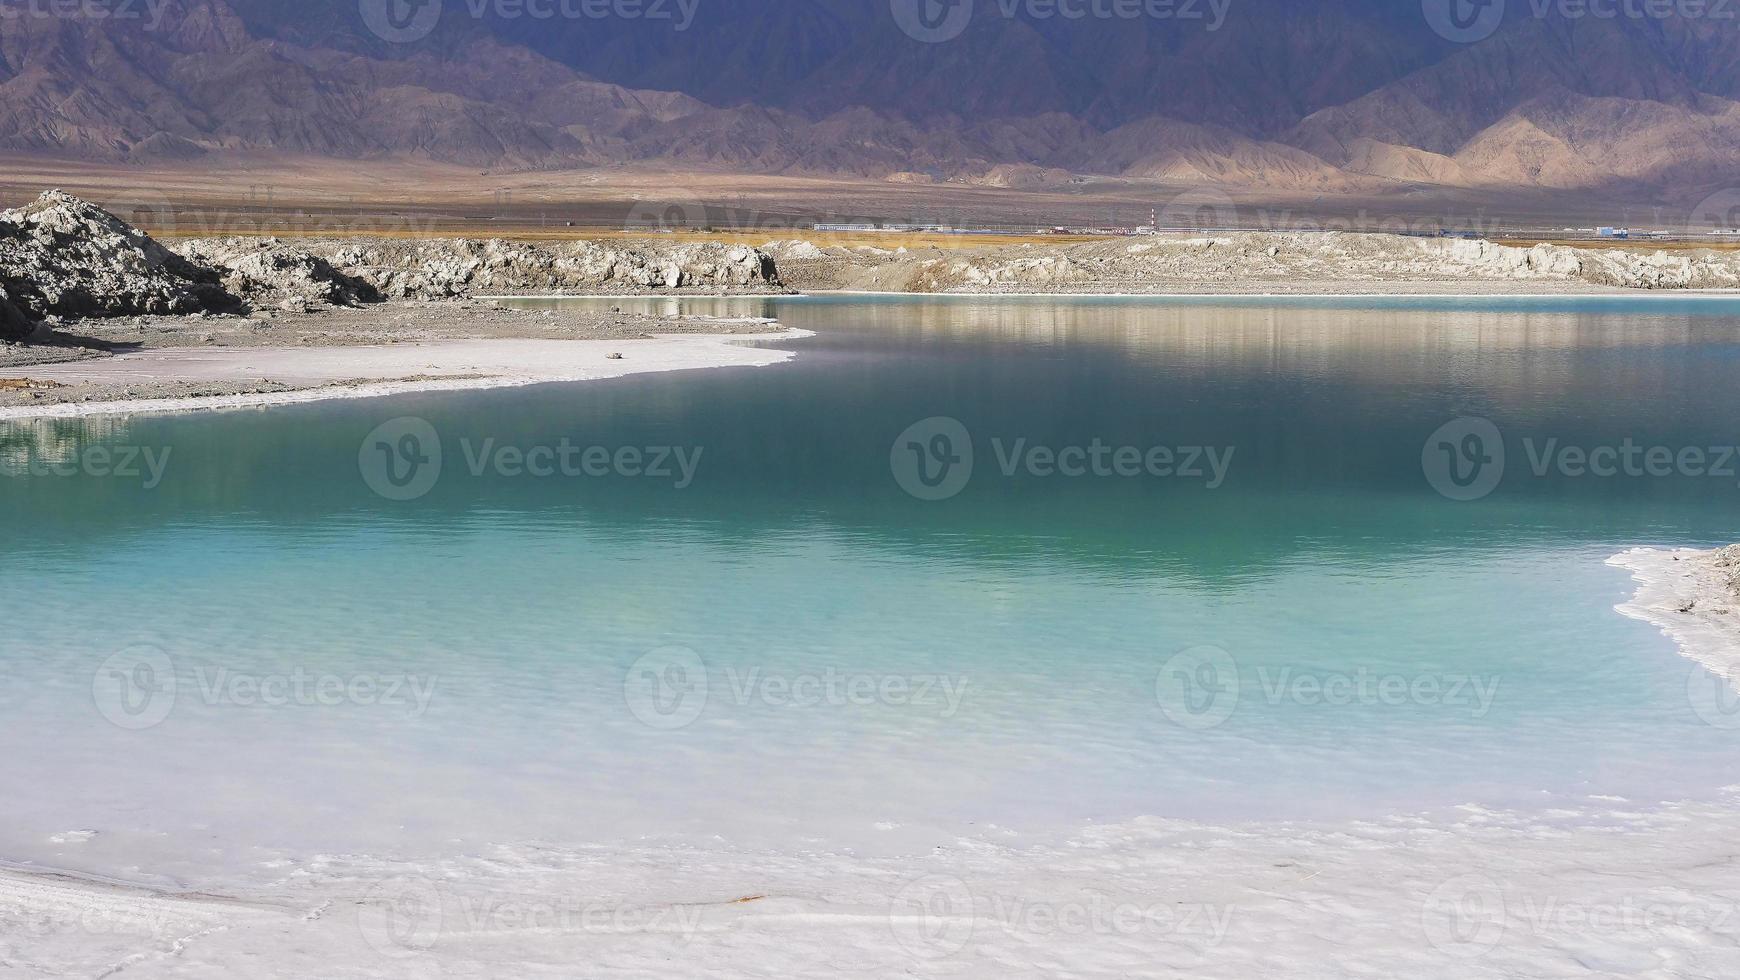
{"points": [[452, 268], [1728, 560], [63, 257], [269, 272]]}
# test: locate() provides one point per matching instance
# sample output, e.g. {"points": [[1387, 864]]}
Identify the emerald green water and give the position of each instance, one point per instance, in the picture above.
{"points": [[1052, 609]]}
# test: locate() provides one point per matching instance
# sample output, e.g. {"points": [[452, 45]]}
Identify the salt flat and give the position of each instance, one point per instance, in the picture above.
{"points": [[1601, 890], [318, 373]]}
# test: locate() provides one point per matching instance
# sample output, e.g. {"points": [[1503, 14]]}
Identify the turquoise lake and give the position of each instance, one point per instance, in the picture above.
{"points": [[788, 646]]}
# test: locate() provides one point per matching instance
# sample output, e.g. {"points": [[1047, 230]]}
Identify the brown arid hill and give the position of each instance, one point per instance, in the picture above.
{"points": [[1580, 105], [1329, 96], [199, 82], [1193, 153]]}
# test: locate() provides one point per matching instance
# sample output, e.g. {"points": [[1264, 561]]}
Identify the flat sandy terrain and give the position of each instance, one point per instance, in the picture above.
{"points": [[296, 198]]}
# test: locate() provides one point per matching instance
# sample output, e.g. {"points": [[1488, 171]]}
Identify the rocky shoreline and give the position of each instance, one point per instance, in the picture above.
{"points": [[78, 283], [63, 259], [79, 286]]}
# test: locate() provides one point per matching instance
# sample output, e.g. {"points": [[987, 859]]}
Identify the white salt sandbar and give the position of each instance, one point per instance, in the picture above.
{"points": [[322, 373], [1686, 593]]}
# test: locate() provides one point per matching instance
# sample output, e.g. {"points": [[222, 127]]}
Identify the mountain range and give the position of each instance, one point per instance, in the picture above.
{"points": [[1324, 96]]}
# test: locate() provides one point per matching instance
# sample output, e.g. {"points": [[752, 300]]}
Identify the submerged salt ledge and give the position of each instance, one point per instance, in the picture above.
{"points": [[1690, 596]]}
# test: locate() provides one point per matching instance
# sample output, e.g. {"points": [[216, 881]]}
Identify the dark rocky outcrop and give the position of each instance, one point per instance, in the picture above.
{"points": [[14, 325]]}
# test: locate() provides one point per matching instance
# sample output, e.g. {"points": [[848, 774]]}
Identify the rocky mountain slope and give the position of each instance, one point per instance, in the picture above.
{"points": [[1322, 97]]}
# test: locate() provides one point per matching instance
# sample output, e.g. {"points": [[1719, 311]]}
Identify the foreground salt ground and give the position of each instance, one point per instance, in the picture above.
{"points": [[1602, 890], [1605, 887]]}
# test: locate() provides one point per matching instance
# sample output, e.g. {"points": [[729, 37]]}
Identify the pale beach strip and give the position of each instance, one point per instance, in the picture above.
{"points": [[327, 373]]}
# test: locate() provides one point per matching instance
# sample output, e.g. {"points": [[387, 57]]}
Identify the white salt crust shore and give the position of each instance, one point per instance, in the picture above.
{"points": [[1686, 595], [1600, 887], [326, 373]]}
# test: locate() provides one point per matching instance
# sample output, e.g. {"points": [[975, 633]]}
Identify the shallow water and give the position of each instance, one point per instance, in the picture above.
{"points": [[784, 647]]}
